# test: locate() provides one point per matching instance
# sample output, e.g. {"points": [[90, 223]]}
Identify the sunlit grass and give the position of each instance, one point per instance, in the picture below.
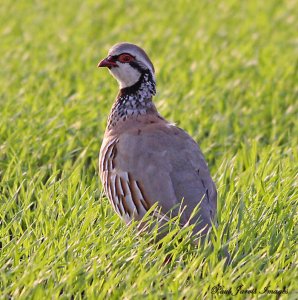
{"points": [[227, 73]]}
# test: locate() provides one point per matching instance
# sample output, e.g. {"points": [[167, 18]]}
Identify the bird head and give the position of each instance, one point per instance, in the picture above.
{"points": [[127, 62]]}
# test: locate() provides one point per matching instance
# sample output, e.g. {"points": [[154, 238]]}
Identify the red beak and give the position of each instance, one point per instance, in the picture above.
{"points": [[107, 62]]}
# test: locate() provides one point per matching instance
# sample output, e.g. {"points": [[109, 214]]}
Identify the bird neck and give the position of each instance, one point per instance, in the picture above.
{"points": [[134, 100]]}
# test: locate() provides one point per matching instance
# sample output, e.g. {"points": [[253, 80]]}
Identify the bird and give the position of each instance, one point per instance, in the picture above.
{"points": [[147, 161]]}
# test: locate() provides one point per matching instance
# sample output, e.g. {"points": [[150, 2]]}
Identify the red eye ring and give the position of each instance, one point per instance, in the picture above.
{"points": [[125, 58]]}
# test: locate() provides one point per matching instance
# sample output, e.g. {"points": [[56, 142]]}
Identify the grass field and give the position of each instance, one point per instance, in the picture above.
{"points": [[227, 72]]}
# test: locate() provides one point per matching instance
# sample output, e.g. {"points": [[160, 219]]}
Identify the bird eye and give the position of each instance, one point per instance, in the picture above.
{"points": [[125, 58]]}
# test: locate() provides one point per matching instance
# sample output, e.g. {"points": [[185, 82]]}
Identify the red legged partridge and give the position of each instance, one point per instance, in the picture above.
{"points": [[143, 158]]}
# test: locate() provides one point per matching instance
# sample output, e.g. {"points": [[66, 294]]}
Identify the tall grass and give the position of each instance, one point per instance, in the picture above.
{"points": [[227, 73]]}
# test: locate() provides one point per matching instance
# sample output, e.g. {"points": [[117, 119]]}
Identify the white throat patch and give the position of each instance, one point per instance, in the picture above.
{"points": [[126, 75]]}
